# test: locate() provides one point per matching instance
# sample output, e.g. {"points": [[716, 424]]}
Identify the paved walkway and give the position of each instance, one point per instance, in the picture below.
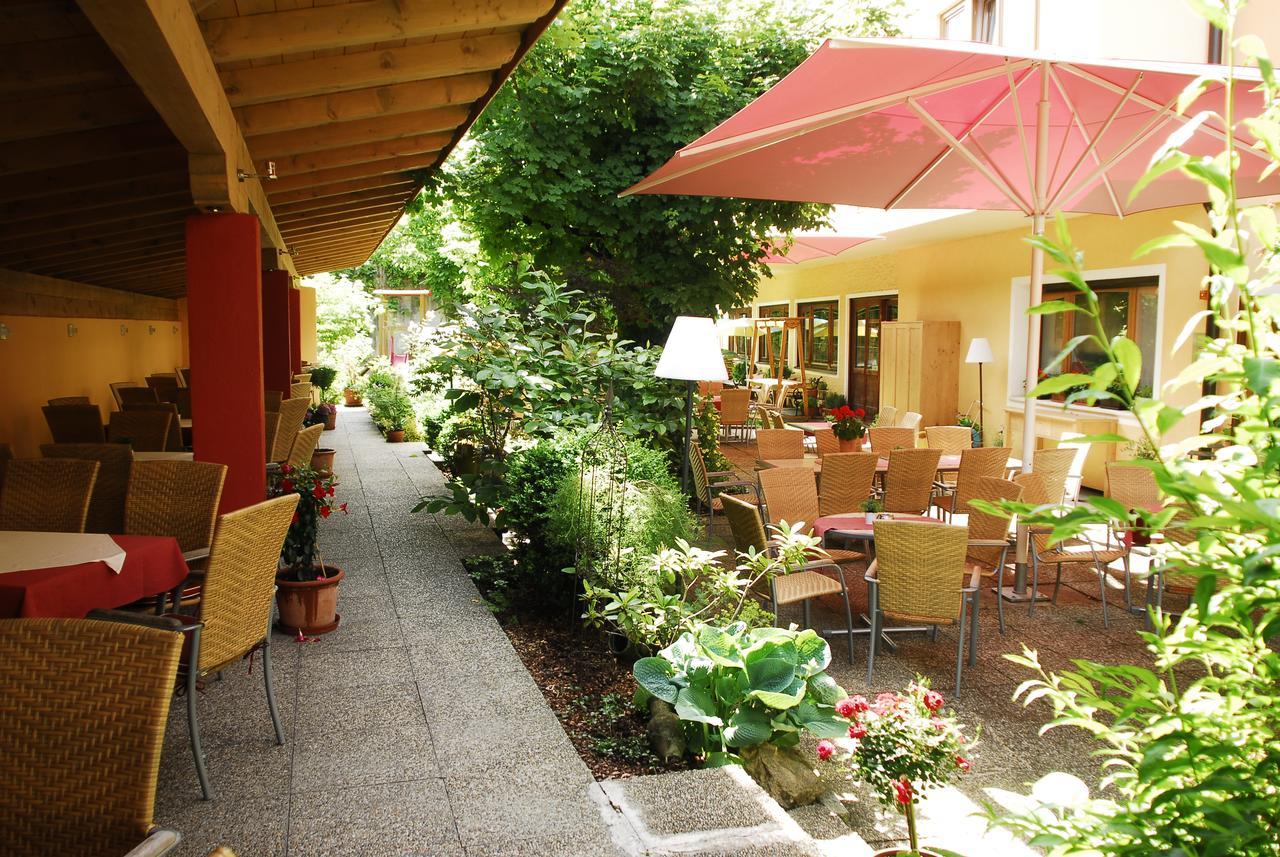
{"points": [[412, 729]]}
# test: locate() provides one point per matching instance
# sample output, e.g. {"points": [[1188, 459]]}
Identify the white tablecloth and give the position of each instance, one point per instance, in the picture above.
{"points": [[23, 551]]}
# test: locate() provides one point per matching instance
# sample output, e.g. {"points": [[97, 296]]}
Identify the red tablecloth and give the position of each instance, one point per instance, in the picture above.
{"points": [[152, 564], [858, 523]]}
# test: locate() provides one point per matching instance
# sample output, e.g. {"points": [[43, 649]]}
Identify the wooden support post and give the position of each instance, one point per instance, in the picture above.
{"points": [[277, 366], [224, 304], [295, 332]]}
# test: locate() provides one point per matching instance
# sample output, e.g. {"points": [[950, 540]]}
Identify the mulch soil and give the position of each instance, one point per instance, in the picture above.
{"points": [[590, 690]]}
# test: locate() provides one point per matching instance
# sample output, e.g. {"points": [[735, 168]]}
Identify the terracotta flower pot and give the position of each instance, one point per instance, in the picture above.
{"points": [[396, 436], [351, 398], [905, 851], [331, 421], [322, 460], [309, 606], [854, 445]]}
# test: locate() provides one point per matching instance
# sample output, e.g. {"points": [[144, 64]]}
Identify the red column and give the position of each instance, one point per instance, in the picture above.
{"points": [[224, 302], [295, 332], [277, 367]]}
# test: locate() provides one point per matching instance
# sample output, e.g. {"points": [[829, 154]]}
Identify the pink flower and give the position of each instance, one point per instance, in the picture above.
{"points": [[343, 507], [933, 700], [857, 730], [849, 706], [963, 764], [826, 750], [902, 791]]}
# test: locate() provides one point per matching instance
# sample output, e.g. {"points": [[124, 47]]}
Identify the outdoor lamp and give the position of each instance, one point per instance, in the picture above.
{"points": [[980, 352], [692, 354]]}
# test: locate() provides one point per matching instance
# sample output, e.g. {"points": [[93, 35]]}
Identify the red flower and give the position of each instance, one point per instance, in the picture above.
{"points": [[857, 730], [963, 764], [888, 700], [296, 518], [286, 486], [826, 750], [902, 791], [859, 413], [330, 490], [933, 700], [852, 705], [318, 492], [343, 507], [324, 511]]}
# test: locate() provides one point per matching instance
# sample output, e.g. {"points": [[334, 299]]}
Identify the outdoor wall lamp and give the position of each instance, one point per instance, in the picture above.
{"points": [[269, 175], [692, 354]]}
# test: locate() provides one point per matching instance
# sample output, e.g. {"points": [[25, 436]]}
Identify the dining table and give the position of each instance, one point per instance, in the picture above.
{"points": [[164, 456], [946, 464], [66, 575]]}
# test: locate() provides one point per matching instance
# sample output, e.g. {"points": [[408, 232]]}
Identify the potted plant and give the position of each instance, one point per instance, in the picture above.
{"points": [[352, 396], [872, 507], [831, 401], [974, 427], [849, 428], [322, 378], [324, 414], [901, 744], [397, 415], [307, 593]]}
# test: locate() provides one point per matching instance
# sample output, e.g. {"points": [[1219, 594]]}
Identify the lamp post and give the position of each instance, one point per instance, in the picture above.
{"points": [[692, 354], [980, 352]]}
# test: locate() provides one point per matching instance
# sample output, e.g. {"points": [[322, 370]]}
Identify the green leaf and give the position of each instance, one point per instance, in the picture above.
{"points": [[654, 675], [813, 653], [1058, 383], [824, 689], [780, 701], [719, 646], [771, 674], [1053, 307], [1165, 162], [747, 728], [1163, 243], [1260, 373], [696, 704], [1129, 355]]}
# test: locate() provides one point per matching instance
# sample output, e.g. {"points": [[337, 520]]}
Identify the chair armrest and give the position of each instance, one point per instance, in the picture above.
{"points": [[735, 483], [711, 473], [159, 841], [148, 620], [872, 571], [195, 555], [989, 543], [975, 580]]}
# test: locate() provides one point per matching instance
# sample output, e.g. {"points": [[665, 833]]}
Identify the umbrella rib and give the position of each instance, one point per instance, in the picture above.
{"points": [[1244, 145], [1022, 128], [1161, 118], [1092, 144], [942, 156], [992, 176]]}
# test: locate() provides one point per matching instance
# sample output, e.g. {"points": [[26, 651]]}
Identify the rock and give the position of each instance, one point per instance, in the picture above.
{"points": [[784, 774], [666, 733]]}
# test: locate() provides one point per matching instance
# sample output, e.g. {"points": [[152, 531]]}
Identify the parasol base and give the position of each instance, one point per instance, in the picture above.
{"points": [[1008, 593]]}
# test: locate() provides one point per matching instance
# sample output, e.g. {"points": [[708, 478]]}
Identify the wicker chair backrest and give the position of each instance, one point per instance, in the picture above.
{"points": [[292, 413], [846, 481], [135, 394], [779, 443], [240, 582], [908, 481], [1132, 485], [952, 440], [986, 526], [300, 390], [1054, 466], [74, 423], [790, 494], [826, 442], [744, 522], [735, 405], [106, 505], [885, 438], [145, 430], [47, 494], [305, 443], [82, 722], [173, 437], [921, 570], [976, 464], [70, 400], [175, 498]]}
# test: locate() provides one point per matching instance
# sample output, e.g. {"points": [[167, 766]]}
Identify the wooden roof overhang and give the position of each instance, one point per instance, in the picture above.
{"points": [[119, 118]]}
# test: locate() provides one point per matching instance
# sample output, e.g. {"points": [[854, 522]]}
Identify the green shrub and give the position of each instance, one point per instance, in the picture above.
{"points": [[322, 377]]}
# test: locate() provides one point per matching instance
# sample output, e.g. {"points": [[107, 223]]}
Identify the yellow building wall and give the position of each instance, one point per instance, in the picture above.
{"points": [[970, 280], [39, 361], [307, 322]]}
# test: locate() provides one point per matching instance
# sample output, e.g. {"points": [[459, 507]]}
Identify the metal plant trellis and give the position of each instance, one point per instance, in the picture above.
{"points": [[602, 501]]}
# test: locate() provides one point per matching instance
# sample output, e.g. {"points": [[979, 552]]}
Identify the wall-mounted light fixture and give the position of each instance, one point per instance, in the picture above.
{"points": [[151, 329], [4, 331], [72, 330], [124, 329], [175, 330], [269, 175]]}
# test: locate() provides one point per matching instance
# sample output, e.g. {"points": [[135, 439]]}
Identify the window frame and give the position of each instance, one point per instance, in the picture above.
{"points": [[738, 344], [805, 311], [1134, 287], [768, 311], [952, 13]]}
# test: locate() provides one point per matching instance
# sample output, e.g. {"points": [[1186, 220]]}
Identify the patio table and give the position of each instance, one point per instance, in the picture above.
{"points": [[164, 456], [946, 464], [152, 565], [855, 524], [811, 427]]}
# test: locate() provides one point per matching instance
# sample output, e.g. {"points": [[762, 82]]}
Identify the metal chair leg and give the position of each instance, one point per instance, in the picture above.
{"points": [[271, 692], [960, 653], [1128, 597], [193, 720], [973, 631], [808, 616], [1102, 591], [1057, 586], [933, 633], [1035, 581], [848, 614], [874, 637], [1004, 556]]}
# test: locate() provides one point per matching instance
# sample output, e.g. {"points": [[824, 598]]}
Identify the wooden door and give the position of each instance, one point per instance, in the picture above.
{"points": [[865, 317]]}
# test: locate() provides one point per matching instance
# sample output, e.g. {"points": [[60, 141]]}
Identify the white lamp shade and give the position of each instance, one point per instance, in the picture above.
{"points": [[980, 351], [692, 352]]}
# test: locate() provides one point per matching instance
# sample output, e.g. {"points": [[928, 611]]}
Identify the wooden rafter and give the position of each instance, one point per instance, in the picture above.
{"points": [[84, 147], [385, 204], [131, 193], [82, 110], [370, 68], [359, 132], [330, 223], [344, 202], [95, 175], [295, 31], [369, 169], [338, 188]]}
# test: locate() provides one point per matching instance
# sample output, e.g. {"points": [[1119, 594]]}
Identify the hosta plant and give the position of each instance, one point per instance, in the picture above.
{"points": [[737, 687]]}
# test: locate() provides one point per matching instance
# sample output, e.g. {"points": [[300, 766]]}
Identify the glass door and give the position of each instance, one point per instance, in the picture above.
{"points": [[865, 316]]}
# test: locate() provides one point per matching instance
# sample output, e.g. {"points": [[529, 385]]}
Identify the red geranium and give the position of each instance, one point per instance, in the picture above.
{"points": [[847, 422]]}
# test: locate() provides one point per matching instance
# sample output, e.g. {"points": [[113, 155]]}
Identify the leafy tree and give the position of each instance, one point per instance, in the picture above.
{"points": [[609, 93]]}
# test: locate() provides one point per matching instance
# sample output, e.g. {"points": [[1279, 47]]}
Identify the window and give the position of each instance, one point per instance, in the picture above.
{"points": [[985, 14], [740, 342], [774, 311], [821, 332], [1129, 306], [953, 23]]}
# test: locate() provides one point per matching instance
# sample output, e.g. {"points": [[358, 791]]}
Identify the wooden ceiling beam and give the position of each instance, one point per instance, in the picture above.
{"points": [[353, 227], [26, 22], [277, 146], [102, 248], [93, 176], [345, 156], [369, 169], [316, 110], [126, 195], [296, 31], [330, 244], [82, 62], [91, 268], [380, 213], [366, 69], [355, 201], [178, 205], [147, 223], [73, 111], [347, 258], [339, 188], [81, 147]]}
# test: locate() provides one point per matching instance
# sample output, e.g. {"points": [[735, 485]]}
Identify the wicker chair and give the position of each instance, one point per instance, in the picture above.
{"points": [[145, 431], [106, 504], [1132, 485], [292, 413], [1164, 579], [69, 400], [710, 388], [302, 378], [134, 394], [300, 390], [779, 443], [47, 494], [847, 479], [184, 375], [82, 723], [162, 381], [826, 442], [271, 422], [887, 417], [911, 420], [304, 443], [884, 438], [908, 481], [173, 437], [116, 386], [952, 440], [976, 464], [735, 409], [709, 485], [1054, 466], [6, 455], [235, 610], [799, 586], [1034, 490], [180, 397], [791, 496], [271, 400], [920, 576], [75, 423], [989, 540], [1083, 549]]}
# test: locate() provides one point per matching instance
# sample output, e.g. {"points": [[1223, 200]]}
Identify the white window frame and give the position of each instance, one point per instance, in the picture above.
{"points": [[956, 11]]}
